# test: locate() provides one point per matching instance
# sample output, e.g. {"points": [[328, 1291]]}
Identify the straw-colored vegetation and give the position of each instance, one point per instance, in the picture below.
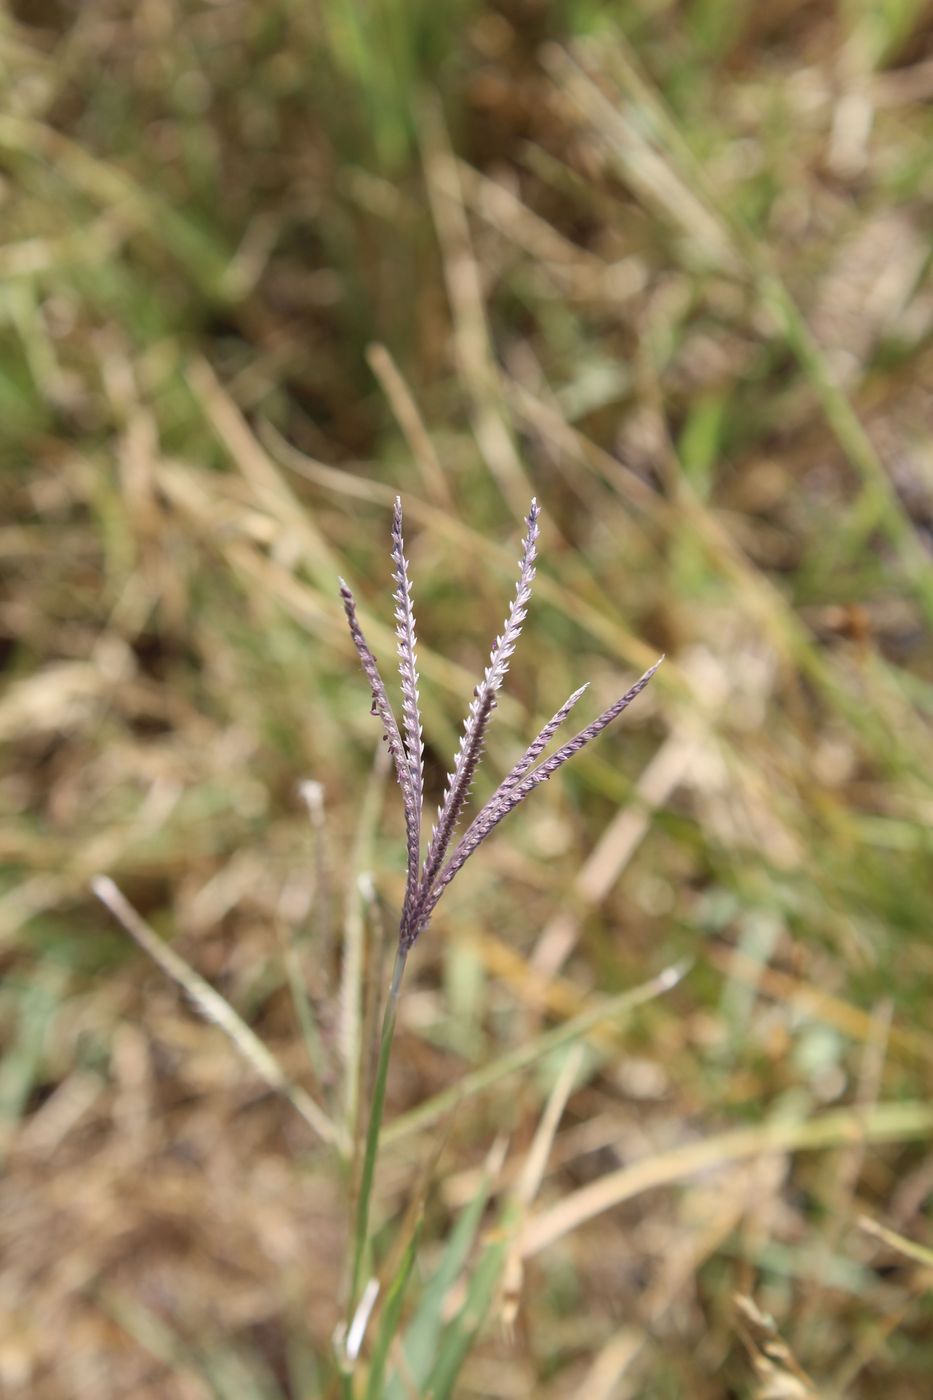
{"points": [[667, 267]]}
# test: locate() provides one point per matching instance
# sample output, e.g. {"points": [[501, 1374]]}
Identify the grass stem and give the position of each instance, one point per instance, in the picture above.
{"points": [[361, 1221]]}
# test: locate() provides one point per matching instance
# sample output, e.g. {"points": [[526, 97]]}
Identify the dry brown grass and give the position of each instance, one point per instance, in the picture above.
{"points": [[579, 278]]}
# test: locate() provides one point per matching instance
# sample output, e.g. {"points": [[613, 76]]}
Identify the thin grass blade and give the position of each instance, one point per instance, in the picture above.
{"points": [[423, 1331], [529, 1052], [905, 1121], [460, 1335], [501, 1259], [21, 1063], [392, 1315], [214, 1008]]}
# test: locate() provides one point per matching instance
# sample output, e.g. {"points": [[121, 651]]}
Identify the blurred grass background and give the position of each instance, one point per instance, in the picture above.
{"points": [[665, 265]]}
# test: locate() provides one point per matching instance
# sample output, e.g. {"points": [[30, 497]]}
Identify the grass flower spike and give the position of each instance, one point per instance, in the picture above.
{"points": [[427, 880]]}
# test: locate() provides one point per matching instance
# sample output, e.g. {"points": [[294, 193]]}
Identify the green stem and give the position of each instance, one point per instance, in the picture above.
{"points": [[361, 1223]]}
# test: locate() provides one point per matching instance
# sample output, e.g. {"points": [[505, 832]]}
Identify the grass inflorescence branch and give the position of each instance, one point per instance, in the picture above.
{"points": [[427, 880]]}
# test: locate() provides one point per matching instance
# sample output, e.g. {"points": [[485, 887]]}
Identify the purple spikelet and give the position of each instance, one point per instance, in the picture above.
{"points": [[426, 883], [477, 720], [537, 746], [514, 790], [408, 670], [383, 710]]}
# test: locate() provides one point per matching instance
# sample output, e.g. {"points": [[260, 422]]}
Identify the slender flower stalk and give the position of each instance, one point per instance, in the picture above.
{"points": [[361, 1223]]}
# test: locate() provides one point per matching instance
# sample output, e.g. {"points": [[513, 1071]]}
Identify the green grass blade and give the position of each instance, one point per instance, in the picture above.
{"points": [[391, 1315], [459, 1337], [224, 1374], [21, 1062], [422, 1334]]}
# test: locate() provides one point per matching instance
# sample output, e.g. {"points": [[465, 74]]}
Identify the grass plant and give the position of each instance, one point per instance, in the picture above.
{"points": [[426, 881]]}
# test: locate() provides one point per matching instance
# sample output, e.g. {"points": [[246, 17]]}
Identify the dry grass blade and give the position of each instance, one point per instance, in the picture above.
{"points": [[530, 1051], [411, 423], [615, 848], [213, 1007], [530, 1178], [919, 1253], [677, 182], [885, 1122], [780, 1377], [602, 624], [671, 276], [471, 332]]}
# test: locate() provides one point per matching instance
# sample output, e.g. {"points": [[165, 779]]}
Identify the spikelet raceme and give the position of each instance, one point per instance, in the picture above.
{"points": [[426, 880]]}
